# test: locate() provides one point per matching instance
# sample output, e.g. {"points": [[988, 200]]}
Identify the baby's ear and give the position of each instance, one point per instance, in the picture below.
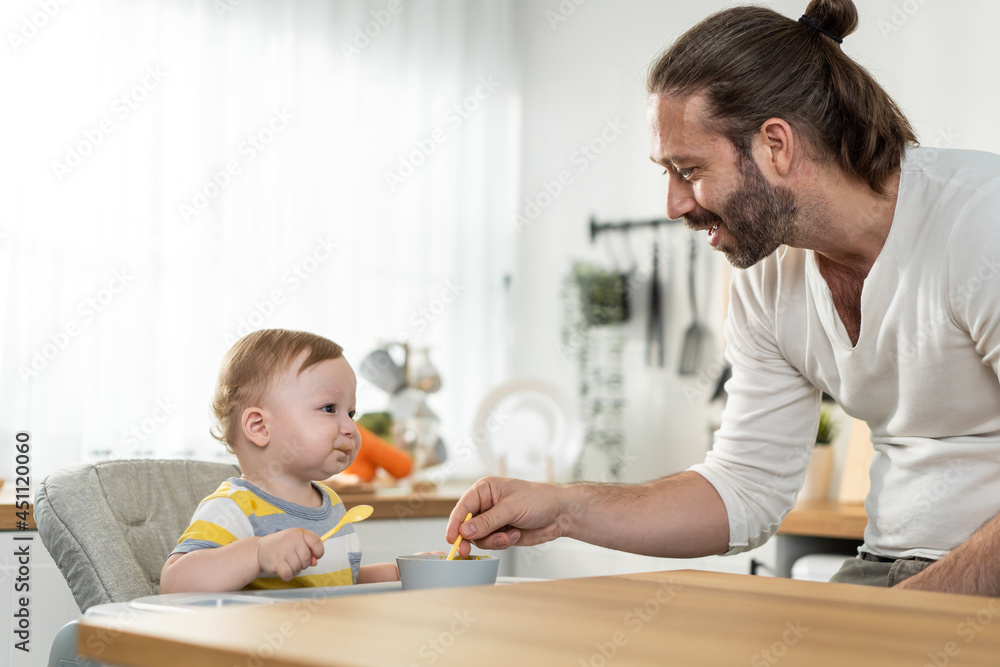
{"points": [[255, 426]]}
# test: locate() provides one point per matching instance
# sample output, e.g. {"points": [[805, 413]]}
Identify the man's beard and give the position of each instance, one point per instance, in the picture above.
{"points": [[759, 217]]}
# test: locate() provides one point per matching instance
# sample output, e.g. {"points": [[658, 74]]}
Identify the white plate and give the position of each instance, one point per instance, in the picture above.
{"points": [[527, 428]]}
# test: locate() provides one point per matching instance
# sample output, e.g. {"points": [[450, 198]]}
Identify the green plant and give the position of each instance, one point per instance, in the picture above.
{"points": [[379, 423], [594, 306], [603, 294], [827, 430]]}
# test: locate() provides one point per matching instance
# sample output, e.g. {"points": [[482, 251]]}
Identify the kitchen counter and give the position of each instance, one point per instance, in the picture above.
{"points": [[404, 504], [815, 519], [388, 504], [826, 519], [8, 510]]}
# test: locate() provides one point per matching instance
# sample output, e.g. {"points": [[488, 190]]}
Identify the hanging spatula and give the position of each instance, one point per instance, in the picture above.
{"points": [[654, 328], [695, 334]]}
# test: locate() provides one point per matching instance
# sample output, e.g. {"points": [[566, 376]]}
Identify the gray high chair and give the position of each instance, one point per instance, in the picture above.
{"points": [[110, 526]]}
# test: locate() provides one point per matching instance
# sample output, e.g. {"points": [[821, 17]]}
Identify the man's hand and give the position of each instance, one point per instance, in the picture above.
{"points": [[288, 552], [507, 512]]}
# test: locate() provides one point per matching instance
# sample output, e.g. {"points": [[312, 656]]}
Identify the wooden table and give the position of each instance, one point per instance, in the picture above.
{"points": [[666, 618]]}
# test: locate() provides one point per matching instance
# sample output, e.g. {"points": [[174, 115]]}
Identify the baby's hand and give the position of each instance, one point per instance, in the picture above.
{"points": [[288, 552]]}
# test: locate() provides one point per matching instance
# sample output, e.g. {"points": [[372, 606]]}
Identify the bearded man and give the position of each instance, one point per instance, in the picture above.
{"points": [[865, 266]]}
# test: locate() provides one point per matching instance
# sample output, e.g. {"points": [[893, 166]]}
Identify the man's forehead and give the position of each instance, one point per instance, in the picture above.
{"points": [[677, 128]]}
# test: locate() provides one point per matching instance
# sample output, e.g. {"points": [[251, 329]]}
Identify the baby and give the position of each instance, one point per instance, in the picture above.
{"points": [[285, 406]]}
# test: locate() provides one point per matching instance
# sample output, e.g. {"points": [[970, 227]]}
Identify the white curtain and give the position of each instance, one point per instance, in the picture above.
{"points": [[177, 173]]}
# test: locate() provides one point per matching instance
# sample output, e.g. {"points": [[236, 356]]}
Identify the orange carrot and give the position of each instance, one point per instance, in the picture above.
{"points": [[394, 460]]}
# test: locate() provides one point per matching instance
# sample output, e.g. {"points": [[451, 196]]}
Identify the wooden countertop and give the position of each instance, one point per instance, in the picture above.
{"points": [[8, 510], [817, 519], [438, 503], [387, 505], [677, 618], [826, 519]]}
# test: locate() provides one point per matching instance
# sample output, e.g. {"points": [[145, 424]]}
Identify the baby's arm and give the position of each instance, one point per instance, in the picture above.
{"points": [[369, 574], [231, 567]]}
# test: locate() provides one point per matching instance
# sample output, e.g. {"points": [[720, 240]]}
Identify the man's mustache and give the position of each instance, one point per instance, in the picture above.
{"points": [[701, 219]]}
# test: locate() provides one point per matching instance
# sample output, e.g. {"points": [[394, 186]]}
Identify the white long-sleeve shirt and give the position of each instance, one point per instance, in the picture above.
{"points": [[923, 375]]}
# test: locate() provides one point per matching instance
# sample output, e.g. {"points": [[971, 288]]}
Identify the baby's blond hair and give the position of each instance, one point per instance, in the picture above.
{"points": [[252, 365]]}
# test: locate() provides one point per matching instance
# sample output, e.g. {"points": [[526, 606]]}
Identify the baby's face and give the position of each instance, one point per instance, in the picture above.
{"points": [[312, 419]]}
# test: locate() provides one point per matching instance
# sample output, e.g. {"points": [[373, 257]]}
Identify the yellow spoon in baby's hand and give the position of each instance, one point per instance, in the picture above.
{"points": [[458, 540], [353, 515]]}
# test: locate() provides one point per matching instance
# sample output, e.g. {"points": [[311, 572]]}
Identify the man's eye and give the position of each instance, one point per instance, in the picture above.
{"points": [[685, 174]]}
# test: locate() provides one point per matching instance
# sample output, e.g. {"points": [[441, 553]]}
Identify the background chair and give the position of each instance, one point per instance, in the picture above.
{"points": [[110, 526]]}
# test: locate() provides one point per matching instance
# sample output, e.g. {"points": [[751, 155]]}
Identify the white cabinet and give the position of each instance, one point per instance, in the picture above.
{"points": [[50, 606], [384, 539], [565, 558]]}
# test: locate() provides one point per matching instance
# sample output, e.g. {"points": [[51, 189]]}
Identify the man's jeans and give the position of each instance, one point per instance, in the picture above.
{"points": [[869, 570]]}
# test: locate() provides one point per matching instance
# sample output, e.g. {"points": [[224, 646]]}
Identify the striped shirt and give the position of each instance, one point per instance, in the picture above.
{"points": [[239, 509]]}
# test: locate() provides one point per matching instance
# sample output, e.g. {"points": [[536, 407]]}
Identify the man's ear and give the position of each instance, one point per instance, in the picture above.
{"points": [[776, 146], [254, 425]]}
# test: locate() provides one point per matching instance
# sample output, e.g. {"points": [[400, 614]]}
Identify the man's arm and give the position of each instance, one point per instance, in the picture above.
{"points": [[973, 568], [681, 516]]}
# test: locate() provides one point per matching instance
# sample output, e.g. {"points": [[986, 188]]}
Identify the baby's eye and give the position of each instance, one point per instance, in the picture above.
{"points": [[351, 414], [332, 409]]}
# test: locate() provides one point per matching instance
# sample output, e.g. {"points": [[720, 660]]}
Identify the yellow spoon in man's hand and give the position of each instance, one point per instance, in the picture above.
{"points": [[458, 540], [353, 515]]}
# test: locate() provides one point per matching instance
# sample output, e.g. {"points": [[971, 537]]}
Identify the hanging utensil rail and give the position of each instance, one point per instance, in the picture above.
{"points": [[626, 225]]}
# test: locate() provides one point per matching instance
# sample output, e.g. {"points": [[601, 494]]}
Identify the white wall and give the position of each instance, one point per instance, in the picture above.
{"points": [[938, 59]]}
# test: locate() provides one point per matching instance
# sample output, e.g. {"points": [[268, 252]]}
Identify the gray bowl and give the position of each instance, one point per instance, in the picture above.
{"points": [[433, 571]]}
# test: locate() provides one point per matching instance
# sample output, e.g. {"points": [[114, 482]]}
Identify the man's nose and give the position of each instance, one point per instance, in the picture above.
{"points": [[680, 197]]}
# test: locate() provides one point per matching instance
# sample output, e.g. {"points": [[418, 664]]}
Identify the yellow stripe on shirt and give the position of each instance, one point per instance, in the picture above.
{"points": [[339, 578], [334, 498], [221, 492], [206, 530], [248, 502]]}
